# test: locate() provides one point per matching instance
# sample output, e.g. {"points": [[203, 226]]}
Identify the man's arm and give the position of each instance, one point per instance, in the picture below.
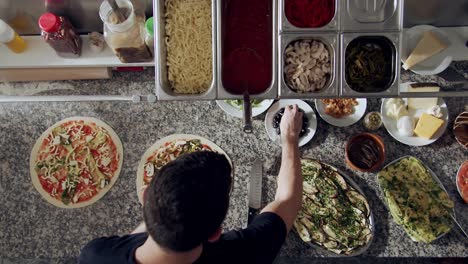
{"points": [[288, 197]]}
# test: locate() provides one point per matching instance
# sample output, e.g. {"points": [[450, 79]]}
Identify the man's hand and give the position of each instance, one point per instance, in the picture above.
{"points": [[291, 125]]}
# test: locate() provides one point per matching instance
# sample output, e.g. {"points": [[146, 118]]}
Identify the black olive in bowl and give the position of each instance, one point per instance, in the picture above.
{"points": [[277, 121]]}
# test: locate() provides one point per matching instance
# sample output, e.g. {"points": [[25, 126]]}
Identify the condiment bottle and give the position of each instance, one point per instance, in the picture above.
{"points": [[126, 38], [149, 39], [60, 34], [11, 39]]}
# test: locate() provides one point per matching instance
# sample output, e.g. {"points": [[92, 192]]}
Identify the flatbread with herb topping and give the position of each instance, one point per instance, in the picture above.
{"points": [[166, 150]]}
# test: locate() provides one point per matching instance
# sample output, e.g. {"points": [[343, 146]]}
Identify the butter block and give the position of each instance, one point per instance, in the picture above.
{"points": [[428, 126], [429, 45]]}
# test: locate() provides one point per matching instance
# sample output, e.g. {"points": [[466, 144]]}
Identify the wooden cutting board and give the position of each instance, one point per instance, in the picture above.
{"points": [[54, 74]]}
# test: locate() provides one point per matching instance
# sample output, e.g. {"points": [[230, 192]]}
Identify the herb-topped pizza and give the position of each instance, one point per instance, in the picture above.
{"points": [[167, 150], [76, 161]]}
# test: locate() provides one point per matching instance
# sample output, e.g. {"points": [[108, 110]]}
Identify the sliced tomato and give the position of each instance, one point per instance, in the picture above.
{"points": [[87, 130], [46, 186], [61, 151], [462, 177], [464, 195], [85, 174], [95, 153]]}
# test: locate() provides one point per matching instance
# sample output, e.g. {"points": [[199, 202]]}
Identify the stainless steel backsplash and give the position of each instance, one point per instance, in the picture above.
{"points": [[440, 13], [84, 14], [23, 14]]}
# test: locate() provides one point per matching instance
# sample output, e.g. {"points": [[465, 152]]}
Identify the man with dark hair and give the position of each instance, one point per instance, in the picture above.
{"points": [[186, 203]]}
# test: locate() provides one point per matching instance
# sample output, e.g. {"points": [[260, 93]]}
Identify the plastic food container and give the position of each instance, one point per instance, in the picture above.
{"points": [[388, 84], [331, 43], [11, 39], [252, 41], [60, 34], [164, 90], [149, 38], [299, 16], [375, 15], [126, 38]]}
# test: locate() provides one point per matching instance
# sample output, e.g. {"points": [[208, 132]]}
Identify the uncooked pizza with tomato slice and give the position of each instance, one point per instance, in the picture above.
{"points": [[76, 161], [166, 150]]}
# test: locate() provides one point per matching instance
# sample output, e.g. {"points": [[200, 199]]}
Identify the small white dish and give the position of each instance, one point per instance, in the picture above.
{"points": [[359, 111], [308, 111], [434, 65], [239, 112], [391, 125]]}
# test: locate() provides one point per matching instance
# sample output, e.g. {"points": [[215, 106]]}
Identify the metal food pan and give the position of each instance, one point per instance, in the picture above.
{"points": [[355, 186], [433, 176], [286, 26], [393, 88], [163, 88], [371, 15], [272, 91], [331, 42]]}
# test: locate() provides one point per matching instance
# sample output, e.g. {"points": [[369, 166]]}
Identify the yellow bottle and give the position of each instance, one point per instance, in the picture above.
{"points": [[11, 39]]}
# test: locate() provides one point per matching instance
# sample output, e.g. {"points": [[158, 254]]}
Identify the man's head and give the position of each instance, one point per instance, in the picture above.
{"points": [[187, 200]]}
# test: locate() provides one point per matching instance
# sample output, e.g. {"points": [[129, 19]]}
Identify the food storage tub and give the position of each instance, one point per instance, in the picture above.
{"points": [[270, 92], [392, 43], [371, 15], [164, 90], [331, 88], [287, 26]]}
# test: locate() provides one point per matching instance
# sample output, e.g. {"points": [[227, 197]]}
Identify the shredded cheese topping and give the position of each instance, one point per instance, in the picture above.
{"points": [[189, 45]]}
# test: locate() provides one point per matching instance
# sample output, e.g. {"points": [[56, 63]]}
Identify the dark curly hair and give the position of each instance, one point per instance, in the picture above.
{"points": [[187, 201]]}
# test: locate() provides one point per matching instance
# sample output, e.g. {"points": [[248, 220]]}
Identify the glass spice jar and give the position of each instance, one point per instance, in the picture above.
{"points": [[60, 34], [126, 38], [373, 121]]}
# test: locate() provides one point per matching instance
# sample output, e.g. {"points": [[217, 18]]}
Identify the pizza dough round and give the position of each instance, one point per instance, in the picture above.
{"points": [[159, 144], [102, 192]]}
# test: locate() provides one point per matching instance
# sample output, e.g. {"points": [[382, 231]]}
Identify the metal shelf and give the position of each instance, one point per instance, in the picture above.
{"points": [[40, 55]]}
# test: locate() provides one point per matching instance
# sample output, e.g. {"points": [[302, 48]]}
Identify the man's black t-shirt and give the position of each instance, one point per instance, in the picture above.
{"points": [[258, 243]]}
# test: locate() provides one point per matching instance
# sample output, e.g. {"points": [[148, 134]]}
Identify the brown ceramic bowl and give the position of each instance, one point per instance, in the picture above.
{"points": [[365, 152], [460, 129]]}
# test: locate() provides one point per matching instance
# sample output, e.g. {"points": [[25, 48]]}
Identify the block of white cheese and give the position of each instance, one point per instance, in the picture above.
{"points": [[429, 45], [423, 103]]}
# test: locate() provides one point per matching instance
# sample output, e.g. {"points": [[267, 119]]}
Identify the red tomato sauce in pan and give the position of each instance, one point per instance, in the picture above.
{"points": [[247, 45]]}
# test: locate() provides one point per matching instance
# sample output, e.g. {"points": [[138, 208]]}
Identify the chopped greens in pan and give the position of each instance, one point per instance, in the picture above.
{"points": [[369, 66], [334, 215]]}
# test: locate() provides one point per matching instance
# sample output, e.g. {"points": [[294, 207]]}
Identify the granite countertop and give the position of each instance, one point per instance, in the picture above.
{"points": [[31, 228]]}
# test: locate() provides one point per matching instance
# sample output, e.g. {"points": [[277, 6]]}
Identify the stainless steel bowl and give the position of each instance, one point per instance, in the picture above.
{"points": [[331, 89], [272, 91], [286, 26], [164, 90], [393, 88], [375, 15]]}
